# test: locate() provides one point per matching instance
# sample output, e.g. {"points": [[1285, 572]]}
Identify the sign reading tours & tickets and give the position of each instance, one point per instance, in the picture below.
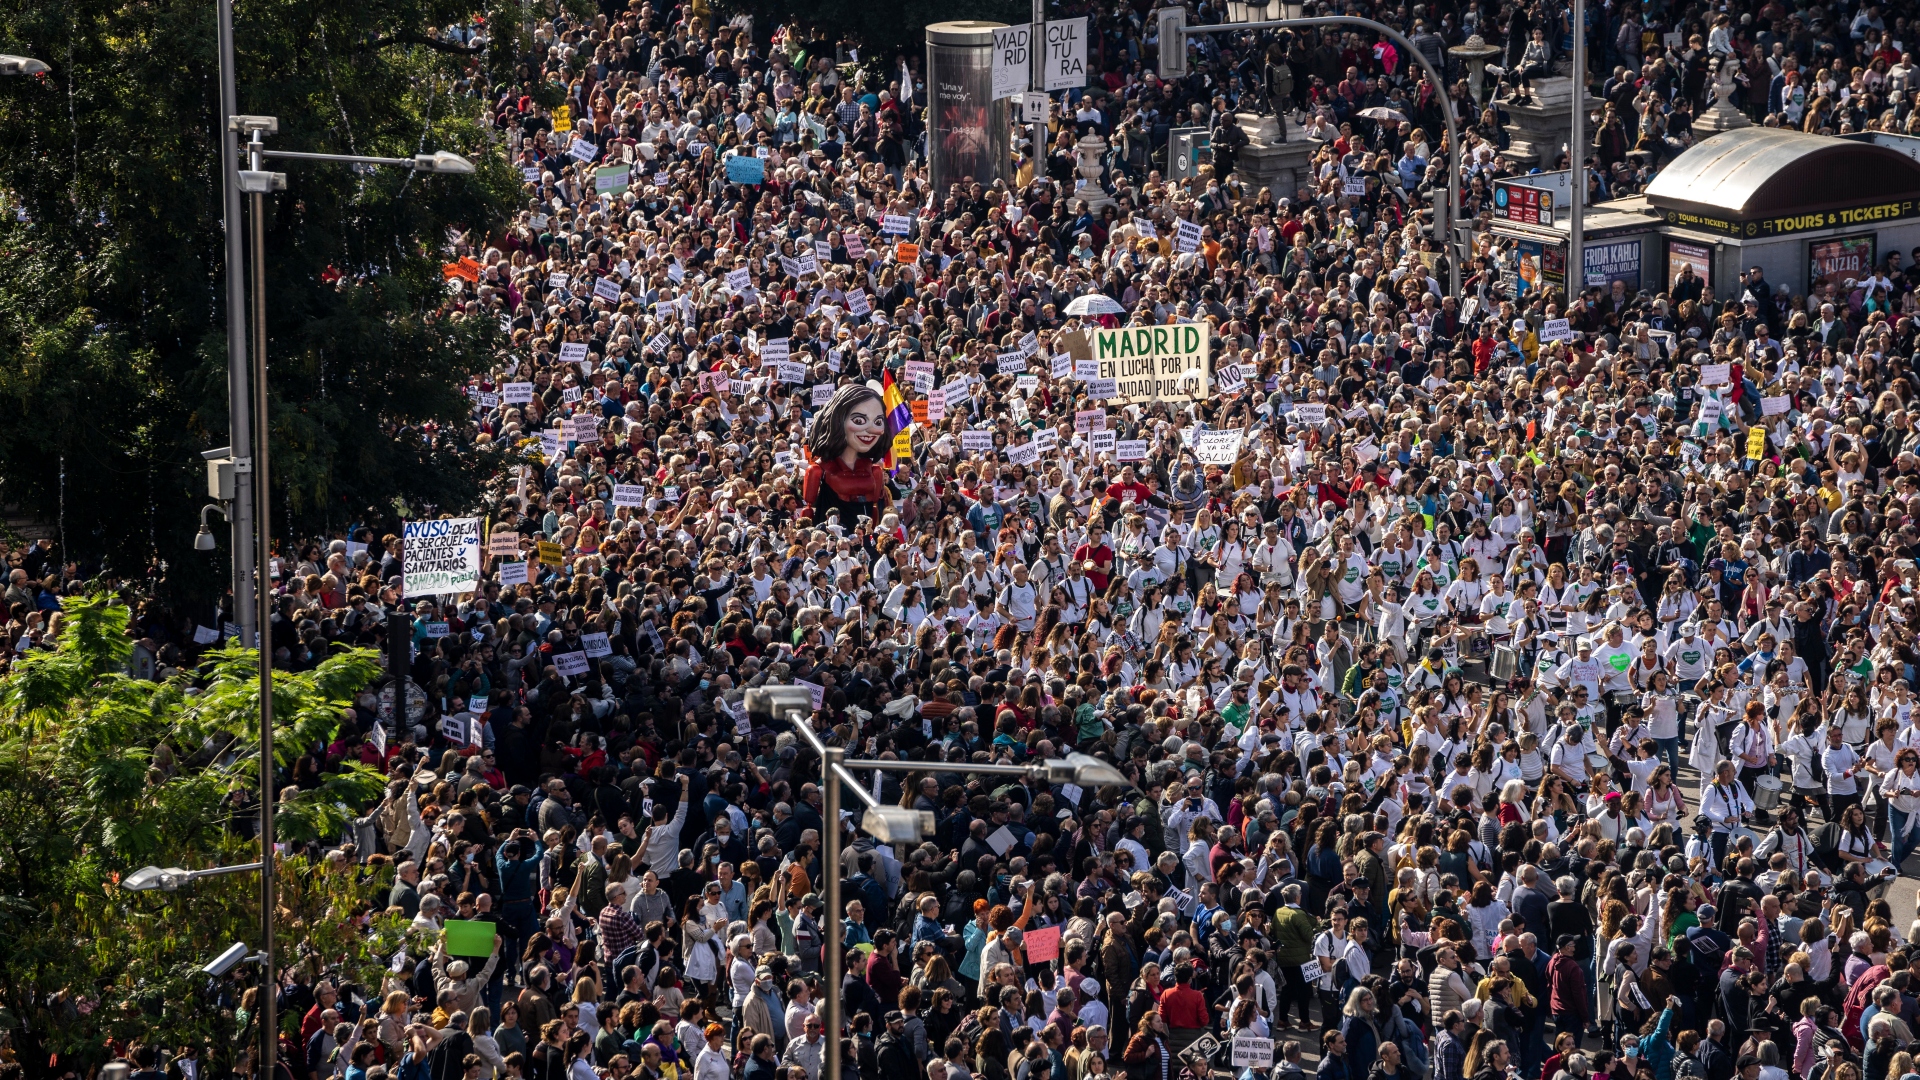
{"points": [[441, 557], [1149, 363]]}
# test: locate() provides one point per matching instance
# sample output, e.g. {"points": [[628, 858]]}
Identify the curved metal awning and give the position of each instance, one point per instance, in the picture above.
{"points": [[1752, 173]]}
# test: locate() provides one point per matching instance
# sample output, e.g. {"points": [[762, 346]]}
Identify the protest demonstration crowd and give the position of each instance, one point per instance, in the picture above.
{"points": [[1491, 702]]}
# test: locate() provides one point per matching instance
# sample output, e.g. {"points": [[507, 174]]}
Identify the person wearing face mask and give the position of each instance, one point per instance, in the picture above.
{"points": [[763, 1004]]}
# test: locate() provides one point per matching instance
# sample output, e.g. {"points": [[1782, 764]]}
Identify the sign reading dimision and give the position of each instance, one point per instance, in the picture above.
{"points": [[1155, 363]]}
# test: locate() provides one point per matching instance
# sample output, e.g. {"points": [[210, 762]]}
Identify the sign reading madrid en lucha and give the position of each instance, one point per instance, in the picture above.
{"points": [[1154, 363], [441, 557]]}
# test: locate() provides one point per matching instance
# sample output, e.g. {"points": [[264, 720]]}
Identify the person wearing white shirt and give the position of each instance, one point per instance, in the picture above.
{"points": [[1841, 762], [1615, 657], [1687, 656], [1494, 607], [1018, 599], [1272, 557], [1581, 670], [1901, 790], [1569, 756], [1351, 583], [1726, 804], [1789, 838]]}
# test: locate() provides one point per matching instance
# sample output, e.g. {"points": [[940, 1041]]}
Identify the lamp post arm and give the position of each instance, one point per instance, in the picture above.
{"points": [[216, 871], [345, 159], [853, 784]]}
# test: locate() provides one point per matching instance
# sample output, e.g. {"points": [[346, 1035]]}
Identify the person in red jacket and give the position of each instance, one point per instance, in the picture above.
{"points": [[1183, 1007], [1567, 987]]}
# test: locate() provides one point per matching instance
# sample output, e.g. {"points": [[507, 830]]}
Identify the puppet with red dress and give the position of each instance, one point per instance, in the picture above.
{"points": [[847, 442]]}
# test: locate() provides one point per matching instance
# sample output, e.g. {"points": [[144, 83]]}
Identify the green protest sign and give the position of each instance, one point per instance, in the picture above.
{"points": [[468, 937]]}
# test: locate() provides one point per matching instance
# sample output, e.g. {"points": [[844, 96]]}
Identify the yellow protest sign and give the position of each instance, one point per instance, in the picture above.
{"points": [[550, 554], [1756, 443], [563, 118]]}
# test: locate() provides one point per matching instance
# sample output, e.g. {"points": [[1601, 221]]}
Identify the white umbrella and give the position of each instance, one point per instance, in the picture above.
{"points": [[1095, 303], [1381, 112]]}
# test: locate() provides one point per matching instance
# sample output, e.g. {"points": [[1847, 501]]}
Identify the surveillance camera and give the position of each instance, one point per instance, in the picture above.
{"points": [[226, 961], [778, 700]]}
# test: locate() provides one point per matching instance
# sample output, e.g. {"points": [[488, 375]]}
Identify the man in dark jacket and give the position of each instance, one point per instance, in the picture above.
{"points": [[895, 1056], [448, 1061], [856, 994], [1736, 995]]}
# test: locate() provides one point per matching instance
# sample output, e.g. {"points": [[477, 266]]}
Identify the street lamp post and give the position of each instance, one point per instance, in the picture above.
{"points": [[239, 393], [258, 182], [892, 824]]}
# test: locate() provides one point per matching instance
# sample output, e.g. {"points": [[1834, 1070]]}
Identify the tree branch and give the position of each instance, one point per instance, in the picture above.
{"points": [[420, 39]]}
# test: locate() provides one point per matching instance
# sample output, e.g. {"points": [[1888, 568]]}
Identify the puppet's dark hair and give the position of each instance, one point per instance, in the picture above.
{"points": [[827, 438]]}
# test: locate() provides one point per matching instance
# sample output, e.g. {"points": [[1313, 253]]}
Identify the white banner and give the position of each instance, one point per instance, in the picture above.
{"points": [[1218, 447], [1066, 55], [1251, 1051], [441, 557], [1012, 60]]}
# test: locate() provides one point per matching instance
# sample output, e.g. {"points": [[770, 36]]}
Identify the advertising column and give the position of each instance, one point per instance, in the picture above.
{"points": [[967, 130]]}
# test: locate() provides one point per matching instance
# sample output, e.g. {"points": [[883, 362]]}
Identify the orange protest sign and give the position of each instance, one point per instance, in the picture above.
{"points": [[905, 253], [919, 410], [467, 269]]}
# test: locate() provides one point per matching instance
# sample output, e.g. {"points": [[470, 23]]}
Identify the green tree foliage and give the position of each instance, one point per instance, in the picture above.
{"points": [[112, 324], [106, 774]]}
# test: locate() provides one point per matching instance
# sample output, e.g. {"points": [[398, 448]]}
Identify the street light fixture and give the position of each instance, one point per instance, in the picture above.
{"points": [[887, 824], [440, 161], [897, 824], [148, 878], [21, 65]]}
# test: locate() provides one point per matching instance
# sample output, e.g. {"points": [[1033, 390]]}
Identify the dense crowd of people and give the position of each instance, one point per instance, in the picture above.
{"points": [[1404, 685]]}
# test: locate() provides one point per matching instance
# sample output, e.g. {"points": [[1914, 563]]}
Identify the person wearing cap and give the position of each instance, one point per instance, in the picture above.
{"points": [[1583, 670]]}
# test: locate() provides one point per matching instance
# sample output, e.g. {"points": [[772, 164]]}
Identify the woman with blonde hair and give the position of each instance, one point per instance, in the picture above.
{"points": [[393, 1025]]}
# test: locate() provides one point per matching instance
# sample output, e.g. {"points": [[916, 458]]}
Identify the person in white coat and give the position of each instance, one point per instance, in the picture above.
{"points": [[1727, 805]]}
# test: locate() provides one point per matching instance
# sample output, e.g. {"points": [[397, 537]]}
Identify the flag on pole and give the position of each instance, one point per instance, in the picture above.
{"points": [[899, 416]]}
